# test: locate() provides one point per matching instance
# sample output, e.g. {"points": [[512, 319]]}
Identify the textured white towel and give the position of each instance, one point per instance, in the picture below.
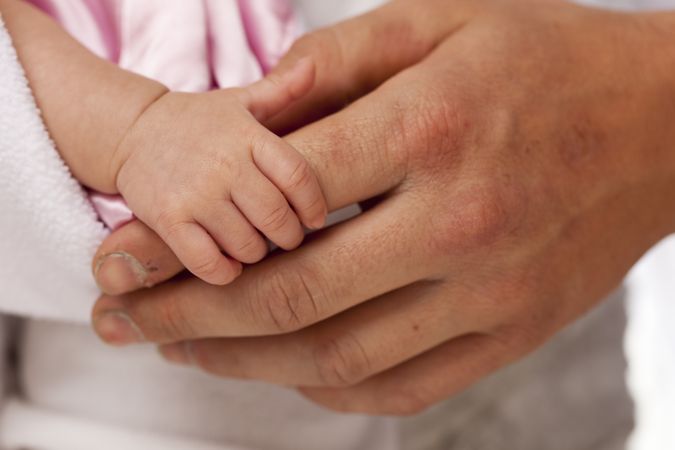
{"points": [[48, 229]]}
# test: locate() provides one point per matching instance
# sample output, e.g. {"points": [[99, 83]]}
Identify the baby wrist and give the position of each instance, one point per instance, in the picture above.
{"points": [[143, 100]]}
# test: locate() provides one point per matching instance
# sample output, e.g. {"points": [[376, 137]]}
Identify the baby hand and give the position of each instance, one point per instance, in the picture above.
{"points": [[203, 172]]}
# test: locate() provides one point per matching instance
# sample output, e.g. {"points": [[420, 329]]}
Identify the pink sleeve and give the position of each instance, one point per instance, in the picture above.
{"points": [[111, 209], [253, 39], [271, 26]]}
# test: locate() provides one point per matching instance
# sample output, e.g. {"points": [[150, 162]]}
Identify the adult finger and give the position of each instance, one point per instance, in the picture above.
{"points": [[355, 56], [419, 383], [347, 265], [132, 257], [277, 91], [344, 350]]}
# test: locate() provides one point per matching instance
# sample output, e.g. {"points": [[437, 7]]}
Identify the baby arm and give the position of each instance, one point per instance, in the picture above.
{"points": [[87, 103], [203, 172]]}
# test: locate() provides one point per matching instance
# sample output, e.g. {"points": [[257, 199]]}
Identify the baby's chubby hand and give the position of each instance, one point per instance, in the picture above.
{"points": [[203, 172]]}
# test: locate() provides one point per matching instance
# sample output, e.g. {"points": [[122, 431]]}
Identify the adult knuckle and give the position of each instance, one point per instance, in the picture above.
{"points": [[480, 218], [433, 123], [341, 361], [425, 132], [289, 299], [485, 219]]}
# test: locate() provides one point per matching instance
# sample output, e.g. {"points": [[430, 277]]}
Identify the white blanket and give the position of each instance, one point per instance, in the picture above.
{"points": [[48, 229]]}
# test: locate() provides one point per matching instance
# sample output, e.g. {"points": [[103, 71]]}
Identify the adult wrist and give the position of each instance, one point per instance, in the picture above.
{"points": [[658, 67]]}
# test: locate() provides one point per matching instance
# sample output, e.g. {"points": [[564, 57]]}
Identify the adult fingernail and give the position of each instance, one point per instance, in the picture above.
{"points": [[178, 353], [117, 328], [119, 272]]}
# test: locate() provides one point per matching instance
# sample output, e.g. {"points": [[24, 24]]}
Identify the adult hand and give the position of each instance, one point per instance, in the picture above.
{"points": [[521, 156]]}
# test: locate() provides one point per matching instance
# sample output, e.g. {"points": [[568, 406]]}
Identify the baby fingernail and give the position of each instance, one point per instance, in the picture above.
{"points": [[319, 223], [119, 272], [117, 328]]}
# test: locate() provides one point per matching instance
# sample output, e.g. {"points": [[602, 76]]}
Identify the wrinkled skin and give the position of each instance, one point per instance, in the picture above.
{"points": [[517, 159]]}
